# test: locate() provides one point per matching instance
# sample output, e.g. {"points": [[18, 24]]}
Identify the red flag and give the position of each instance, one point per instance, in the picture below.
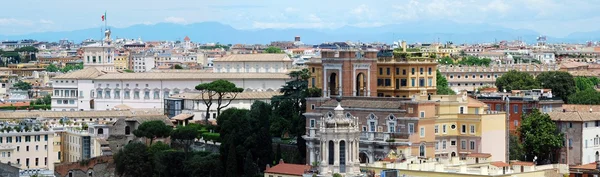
{"points": [[102, 17]]}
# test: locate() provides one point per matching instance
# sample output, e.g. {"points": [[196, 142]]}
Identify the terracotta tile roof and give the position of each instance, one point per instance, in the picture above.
{"points": [[191, 76], [589, 166], [472, 102], [86, 73], [75, 114], [499, 164], [18, 104], [565, 116], [522, 163], [183, 116], [255, 57], [580, 107], [480, 155], [288, 169]]}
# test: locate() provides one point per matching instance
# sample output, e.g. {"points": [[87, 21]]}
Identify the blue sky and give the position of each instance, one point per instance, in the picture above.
{"points": [[556, 18]]}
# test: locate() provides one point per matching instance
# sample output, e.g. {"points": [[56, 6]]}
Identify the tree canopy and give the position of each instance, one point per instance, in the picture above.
{"points": [[152, 130], [516, 80], [22, 85], [220, 90], [516, 148], [52, 68], [178, 67], [133, 161], [561, 83], [446, 61], [184, 136], [442, 85], [586, 83], [273, 49], [540, 136]]}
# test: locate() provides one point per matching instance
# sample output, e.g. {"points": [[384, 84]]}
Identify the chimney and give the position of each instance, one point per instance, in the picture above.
{"points": [[297, 38], [281, 161], [268, 167], [403, 46]]}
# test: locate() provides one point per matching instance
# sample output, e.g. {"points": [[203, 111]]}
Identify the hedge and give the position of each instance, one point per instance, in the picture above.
{"points": [[215, 137]]}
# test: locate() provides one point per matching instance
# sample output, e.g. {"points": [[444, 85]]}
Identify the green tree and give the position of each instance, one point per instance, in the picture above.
{"points": [[177, 67], [442, 85], [218, 89], [13, 57], [232, 162], [133, 160], [516, 80], [561, 83], [208, 165], [170, 163], [273, 49], [157, 147], [260, 113], [585, 83], [128, 71], [474, 61], [22, 85], [184, 136], [47, 100], [540, 136], [589, 96], [446, 61], [250, 167], [52, 68], [516, 148], [84, 126], [152, 130]]}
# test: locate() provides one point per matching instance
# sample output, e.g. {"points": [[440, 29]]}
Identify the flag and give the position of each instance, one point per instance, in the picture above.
{"points": [[104, 16]]}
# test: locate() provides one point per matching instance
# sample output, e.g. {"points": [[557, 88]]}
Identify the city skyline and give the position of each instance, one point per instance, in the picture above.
{"points": [[543, 16]]}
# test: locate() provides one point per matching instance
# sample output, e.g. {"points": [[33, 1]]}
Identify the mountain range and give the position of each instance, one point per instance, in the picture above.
{"points": [[204, 32]]}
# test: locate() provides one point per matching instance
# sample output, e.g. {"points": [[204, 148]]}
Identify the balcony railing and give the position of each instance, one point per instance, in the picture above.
{"points": [[383, 136]]}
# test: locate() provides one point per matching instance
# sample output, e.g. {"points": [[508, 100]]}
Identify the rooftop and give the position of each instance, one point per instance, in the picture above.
{"points": [[73, 114], [86, 73], [288, 169], [243, 95], [255, 58], [190, 76]]}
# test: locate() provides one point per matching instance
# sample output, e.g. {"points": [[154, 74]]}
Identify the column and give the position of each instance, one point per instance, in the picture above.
{"points": [[368, 82], [340, 82], [336, 155], [354, 81], [357, 151], [371, 154], [324, 153], [325, 82], [311, 151]]}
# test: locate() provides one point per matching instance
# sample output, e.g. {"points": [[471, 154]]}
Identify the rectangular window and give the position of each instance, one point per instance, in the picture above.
{"points": [[107, 94], [472, 145], [472, 129], [422, 114], [453, 143], [117, 94], [388, 82], [437, 144], [99, 94], [463, 129], [166, 94], [444, 144], [387, 71], [146, 95], [156, 94], [421, 82], [392, 127], [412, 71], [312, 123], [516, 108], [444, 128], [27, 138], [397, 83], [380, 82], [397, 71], [404, 72], [313, 81], [429, 71], [570, 143], [372, 126], [463, 144], [380, 71], [430, 82], [126, 93], [420, 70], [403, 83], [412, 81], [422, 131], [476, 110], [436, 129], [136, 94], [461, 110], [411, 128]]}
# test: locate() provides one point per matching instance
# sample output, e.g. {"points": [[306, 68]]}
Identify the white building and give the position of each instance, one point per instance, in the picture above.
{"points": [[193, 103], [100, 55], [545, 57], [96, 90], [253, 63], [142, 62], [28, 150]]}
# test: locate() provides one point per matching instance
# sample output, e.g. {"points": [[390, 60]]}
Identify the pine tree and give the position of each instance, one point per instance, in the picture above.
{"points": [[231, 162], [250, 167]]}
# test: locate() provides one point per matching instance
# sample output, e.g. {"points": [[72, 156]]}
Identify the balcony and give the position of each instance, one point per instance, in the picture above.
{"points": [[381, 137]]}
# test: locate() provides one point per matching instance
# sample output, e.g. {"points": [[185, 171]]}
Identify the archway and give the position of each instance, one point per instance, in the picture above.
{"points": [[333, 84], [363, 157], [453, 154], [361, 84]]}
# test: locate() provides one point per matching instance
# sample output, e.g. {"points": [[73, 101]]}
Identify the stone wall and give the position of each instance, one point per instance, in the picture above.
{"points": [[98, 166]]}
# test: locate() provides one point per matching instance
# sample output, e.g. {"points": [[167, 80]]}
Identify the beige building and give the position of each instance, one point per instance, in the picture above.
{"points": [[472, 77], [28, 150], [253, 63]]}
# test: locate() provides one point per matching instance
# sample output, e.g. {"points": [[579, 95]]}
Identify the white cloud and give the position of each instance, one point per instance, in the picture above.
{"points": [[43, 21], [360, 9], [177, 20], [14, 22], [277, 25], [313, 18], [496, 6], [290, 10]]}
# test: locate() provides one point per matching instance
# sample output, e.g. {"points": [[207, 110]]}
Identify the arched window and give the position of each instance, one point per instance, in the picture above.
{"points": [[100, 131], [127, 130], [422, 150], [331, 153]]}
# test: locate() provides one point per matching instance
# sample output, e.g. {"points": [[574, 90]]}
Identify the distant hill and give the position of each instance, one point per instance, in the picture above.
{"points": [[216, 32]]}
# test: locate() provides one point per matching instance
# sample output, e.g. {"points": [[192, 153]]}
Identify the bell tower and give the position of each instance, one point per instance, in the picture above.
{"points": [[339, 140]]}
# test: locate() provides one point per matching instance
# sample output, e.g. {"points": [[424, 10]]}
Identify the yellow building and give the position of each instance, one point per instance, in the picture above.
{"points": [[465, 126], [373, 73], [122, 61]]}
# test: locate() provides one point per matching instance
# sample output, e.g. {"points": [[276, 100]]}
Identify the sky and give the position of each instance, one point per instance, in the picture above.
{"points": [[556, 18]]}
